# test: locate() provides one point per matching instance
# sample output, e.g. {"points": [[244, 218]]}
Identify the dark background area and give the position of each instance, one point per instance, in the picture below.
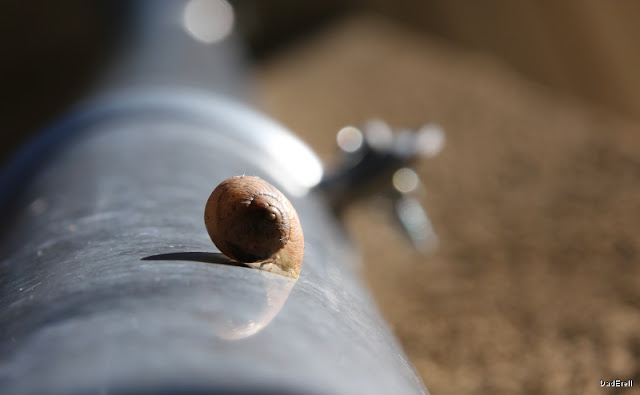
{"points": [[536, 197], [53, 53]]}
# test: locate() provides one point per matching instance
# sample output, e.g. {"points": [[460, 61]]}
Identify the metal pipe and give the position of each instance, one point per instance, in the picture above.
{"points": [[83, 312]]}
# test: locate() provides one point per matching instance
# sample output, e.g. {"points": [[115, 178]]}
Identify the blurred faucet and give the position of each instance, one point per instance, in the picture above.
{"points": [[376, 161]]}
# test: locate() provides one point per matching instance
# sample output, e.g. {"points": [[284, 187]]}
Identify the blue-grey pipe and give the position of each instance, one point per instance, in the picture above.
{"points": [[110, 284]]}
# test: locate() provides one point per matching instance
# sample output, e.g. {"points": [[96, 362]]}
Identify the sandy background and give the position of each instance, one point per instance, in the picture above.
{"points": [[535, 288]]}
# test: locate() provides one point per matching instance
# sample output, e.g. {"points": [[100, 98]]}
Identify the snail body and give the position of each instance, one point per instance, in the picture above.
{"points": [[252, 222]]}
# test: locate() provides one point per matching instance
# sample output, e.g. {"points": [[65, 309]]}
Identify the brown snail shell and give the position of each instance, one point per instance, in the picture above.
{"points": [[250, 221]]}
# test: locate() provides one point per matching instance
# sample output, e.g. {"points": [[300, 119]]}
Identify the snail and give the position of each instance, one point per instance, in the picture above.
{"points": [[252, 222]]}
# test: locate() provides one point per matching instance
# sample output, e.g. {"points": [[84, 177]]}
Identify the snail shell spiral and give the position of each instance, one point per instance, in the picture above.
{"points": [[250, 221]]}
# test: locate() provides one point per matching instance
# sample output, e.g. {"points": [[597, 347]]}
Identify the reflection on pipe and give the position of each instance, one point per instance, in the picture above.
{"points": [[232, 324], [243, 308]]}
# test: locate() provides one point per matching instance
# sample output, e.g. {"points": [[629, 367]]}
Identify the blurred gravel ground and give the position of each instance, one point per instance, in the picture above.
{"points": [[535, 288]]}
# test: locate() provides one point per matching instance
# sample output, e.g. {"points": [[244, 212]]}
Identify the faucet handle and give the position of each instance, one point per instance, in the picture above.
{"points": [[409, 213]]}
